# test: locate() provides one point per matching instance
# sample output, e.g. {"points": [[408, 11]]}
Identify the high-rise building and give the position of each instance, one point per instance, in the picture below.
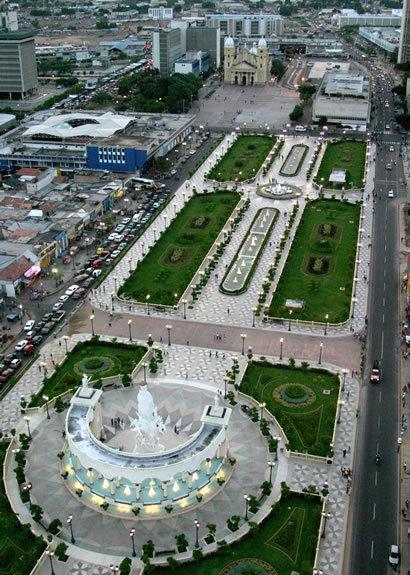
{"points": [[18, 66], [166, 49], [205, 39], [161, 13], [237, 25], [404, 46], [8, 20]]}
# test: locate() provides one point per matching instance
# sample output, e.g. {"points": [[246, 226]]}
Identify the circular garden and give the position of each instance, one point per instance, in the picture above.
{"points": [[248, 566], [294, 395]]}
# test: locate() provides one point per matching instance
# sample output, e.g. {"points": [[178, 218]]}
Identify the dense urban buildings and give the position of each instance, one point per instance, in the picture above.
{"points": [[246, 24], [404, 46], [167, 47], [18, 67]]}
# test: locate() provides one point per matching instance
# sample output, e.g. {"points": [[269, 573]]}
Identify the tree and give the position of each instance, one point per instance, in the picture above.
{"points": [[148, 550], [278, 68], [172, 563], [403, 120], [197, 555], [306, 91], [125, 566], [296, 113]]}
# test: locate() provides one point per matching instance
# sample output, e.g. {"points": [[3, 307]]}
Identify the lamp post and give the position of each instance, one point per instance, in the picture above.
{"points": [[27, 419], [114, 569], [247, 499], [65, 338], [196, 522], [50, 556], [132, 533], [92, 324], [226, 379], [320, 352], [281, 348], [21, 313], [72, 254], [129, 328], [184, 302], [112, 301], [262, 406], [243, 336], [70, 524], [254, 310], [115, 284], [271, 467], [169, 327], [276, 439], [327, 323], [344, 372], [147, 300], [340, 404], [46, 398], [130, 263], [144, 367], [290, 320], [325, 516]]}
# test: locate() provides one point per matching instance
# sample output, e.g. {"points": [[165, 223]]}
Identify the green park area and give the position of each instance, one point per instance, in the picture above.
{"points": [[283, 544], [303, 400], [169, 267], [243, 159], [320, 265], [96, 359], [346, 155], [19, 548]]}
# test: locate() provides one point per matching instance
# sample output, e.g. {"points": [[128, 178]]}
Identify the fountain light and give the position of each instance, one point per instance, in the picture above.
{"points": [[127, 490], [195, 476], [151, 491], [105, 484], [175, 487]]}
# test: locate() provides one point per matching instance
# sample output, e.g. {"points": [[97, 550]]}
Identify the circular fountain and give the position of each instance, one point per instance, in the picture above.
{"points": [[277, 191]]}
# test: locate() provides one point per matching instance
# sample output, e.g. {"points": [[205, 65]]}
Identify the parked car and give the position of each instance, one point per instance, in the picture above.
{"points": [[80, 292], [16, 363], [58, 305], [9, 358], [69, 291], [48, 327], [394, 556], [58, 316], [29, 325], [376, 372], [29, 349], [37, 339], [40, 325], [7, 373], [64, 298], [97, 273], [30, 334], [46, 317], [21, 344], [13, 316]]}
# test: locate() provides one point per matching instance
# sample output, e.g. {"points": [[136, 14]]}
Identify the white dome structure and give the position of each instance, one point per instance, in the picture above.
{"points": [[254, 49], [229, 43], [262, 43]]}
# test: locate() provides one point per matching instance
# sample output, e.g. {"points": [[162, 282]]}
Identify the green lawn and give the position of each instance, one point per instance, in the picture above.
{"points": [[95, 358], [286, 541], [172, 262], [19, 548], [243, 159], [345, 155], [307, 419], [320, 266]]}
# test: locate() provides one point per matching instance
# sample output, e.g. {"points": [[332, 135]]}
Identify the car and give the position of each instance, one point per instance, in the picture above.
{"points": [[391, 148], [48, 327], [69, 291], [97, 273], [3, 380], [46, 317], [125, 221], [387, 126], [80, 292], [112, 237], [7, 373], [119, 228], [115, 253], [122, 245], [15, 364], [246, 409], [376, 372], [21, 344], [88, 282], [388, 166], [119, 238], [192, 152], [37, 339], [58, 316], [173, 172], [300, 129], [58, 305], [394, 556], [29, 325], [29, 349], [30, 334], [390, 193], [13, 316]]}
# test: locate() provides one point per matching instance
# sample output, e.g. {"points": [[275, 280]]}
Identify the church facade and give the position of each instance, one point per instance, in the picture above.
{"points": [[245, 66]]}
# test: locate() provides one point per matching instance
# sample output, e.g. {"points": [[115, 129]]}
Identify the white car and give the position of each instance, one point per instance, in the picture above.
{"points": [[63, 298], [29, 325], [21, 345], [394, 556], [390, 193], [391, 148], [58, 305], [69, 291], [112, 237], [192, 152], [97, 273]]}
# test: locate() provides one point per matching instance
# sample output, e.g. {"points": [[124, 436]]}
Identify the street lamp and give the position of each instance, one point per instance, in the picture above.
{"points": [[262, 406], [226, 380], [184, 302], [196, 522], [130, 263], [70, 524], [27, 419], [169, 327], [21, 313], [345, 372], [254, 310], [320, 352], [50, 556], [147, 300], [340, 404], [129, 328], [281, 348], [92, 323], [326, 324], [247, 499], [290, 316], [132, 533], [144, 367], [112, 301], [271, 464], [115, 284], [325, 516], [65, 338], [276, 440], [243, 336], [72, 254], [46, 398]]}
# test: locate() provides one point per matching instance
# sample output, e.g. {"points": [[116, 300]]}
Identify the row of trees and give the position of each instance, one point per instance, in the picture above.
{"points": [[306, 92]]}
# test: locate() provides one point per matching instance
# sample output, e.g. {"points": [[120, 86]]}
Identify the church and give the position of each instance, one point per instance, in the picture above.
{"points": [[246, 66]]}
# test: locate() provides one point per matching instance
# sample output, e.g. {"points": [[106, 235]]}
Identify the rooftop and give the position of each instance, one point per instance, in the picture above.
{"points": [[345, 85]]}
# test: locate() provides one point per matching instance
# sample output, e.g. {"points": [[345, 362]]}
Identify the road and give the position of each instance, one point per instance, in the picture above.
{"points": [[374, 509]]}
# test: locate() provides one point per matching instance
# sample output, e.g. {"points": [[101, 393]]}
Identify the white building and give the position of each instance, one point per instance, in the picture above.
{"points": [[385, 38], [352, 18], [8, 20], [237, 25], [343, 99], [161, 13]]}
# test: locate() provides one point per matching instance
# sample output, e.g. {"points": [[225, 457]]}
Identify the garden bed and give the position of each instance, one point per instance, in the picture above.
{"points": [[294, 160], [243, 159], [98, 359], [303, 400], [325, 289], [349, 155], [172, 262]]}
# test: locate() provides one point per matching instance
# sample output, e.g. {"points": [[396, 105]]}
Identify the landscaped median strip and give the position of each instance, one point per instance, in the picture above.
{"points": [[294, 160], [243, 266]]}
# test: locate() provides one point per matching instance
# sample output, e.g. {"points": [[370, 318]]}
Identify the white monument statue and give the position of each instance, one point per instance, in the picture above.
{"points": [[85, 381], [148, 424]]}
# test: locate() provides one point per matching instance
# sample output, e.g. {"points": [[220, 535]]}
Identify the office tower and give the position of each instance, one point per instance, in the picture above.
{"points": [[166, 49], [205, 39], [18, 66]]}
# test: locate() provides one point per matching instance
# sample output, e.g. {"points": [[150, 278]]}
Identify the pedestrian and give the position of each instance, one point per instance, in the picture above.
{"points": [[160, 339], [344, 452], [405, 466], [347, 394], [59, 343], [407, 503]]}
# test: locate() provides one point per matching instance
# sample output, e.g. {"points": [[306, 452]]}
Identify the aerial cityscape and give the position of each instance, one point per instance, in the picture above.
{"points": [[204, 287]]}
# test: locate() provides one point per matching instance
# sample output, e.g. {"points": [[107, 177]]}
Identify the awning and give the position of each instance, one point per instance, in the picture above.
{"points": [[32, 272]]}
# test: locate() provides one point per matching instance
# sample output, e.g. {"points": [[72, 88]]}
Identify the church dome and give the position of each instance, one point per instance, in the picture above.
{"points": [[253, 49], [229, 43], [262, 43]]}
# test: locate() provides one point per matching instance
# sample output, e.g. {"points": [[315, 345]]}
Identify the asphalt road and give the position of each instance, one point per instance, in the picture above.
{"points": [[375, 507]]}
